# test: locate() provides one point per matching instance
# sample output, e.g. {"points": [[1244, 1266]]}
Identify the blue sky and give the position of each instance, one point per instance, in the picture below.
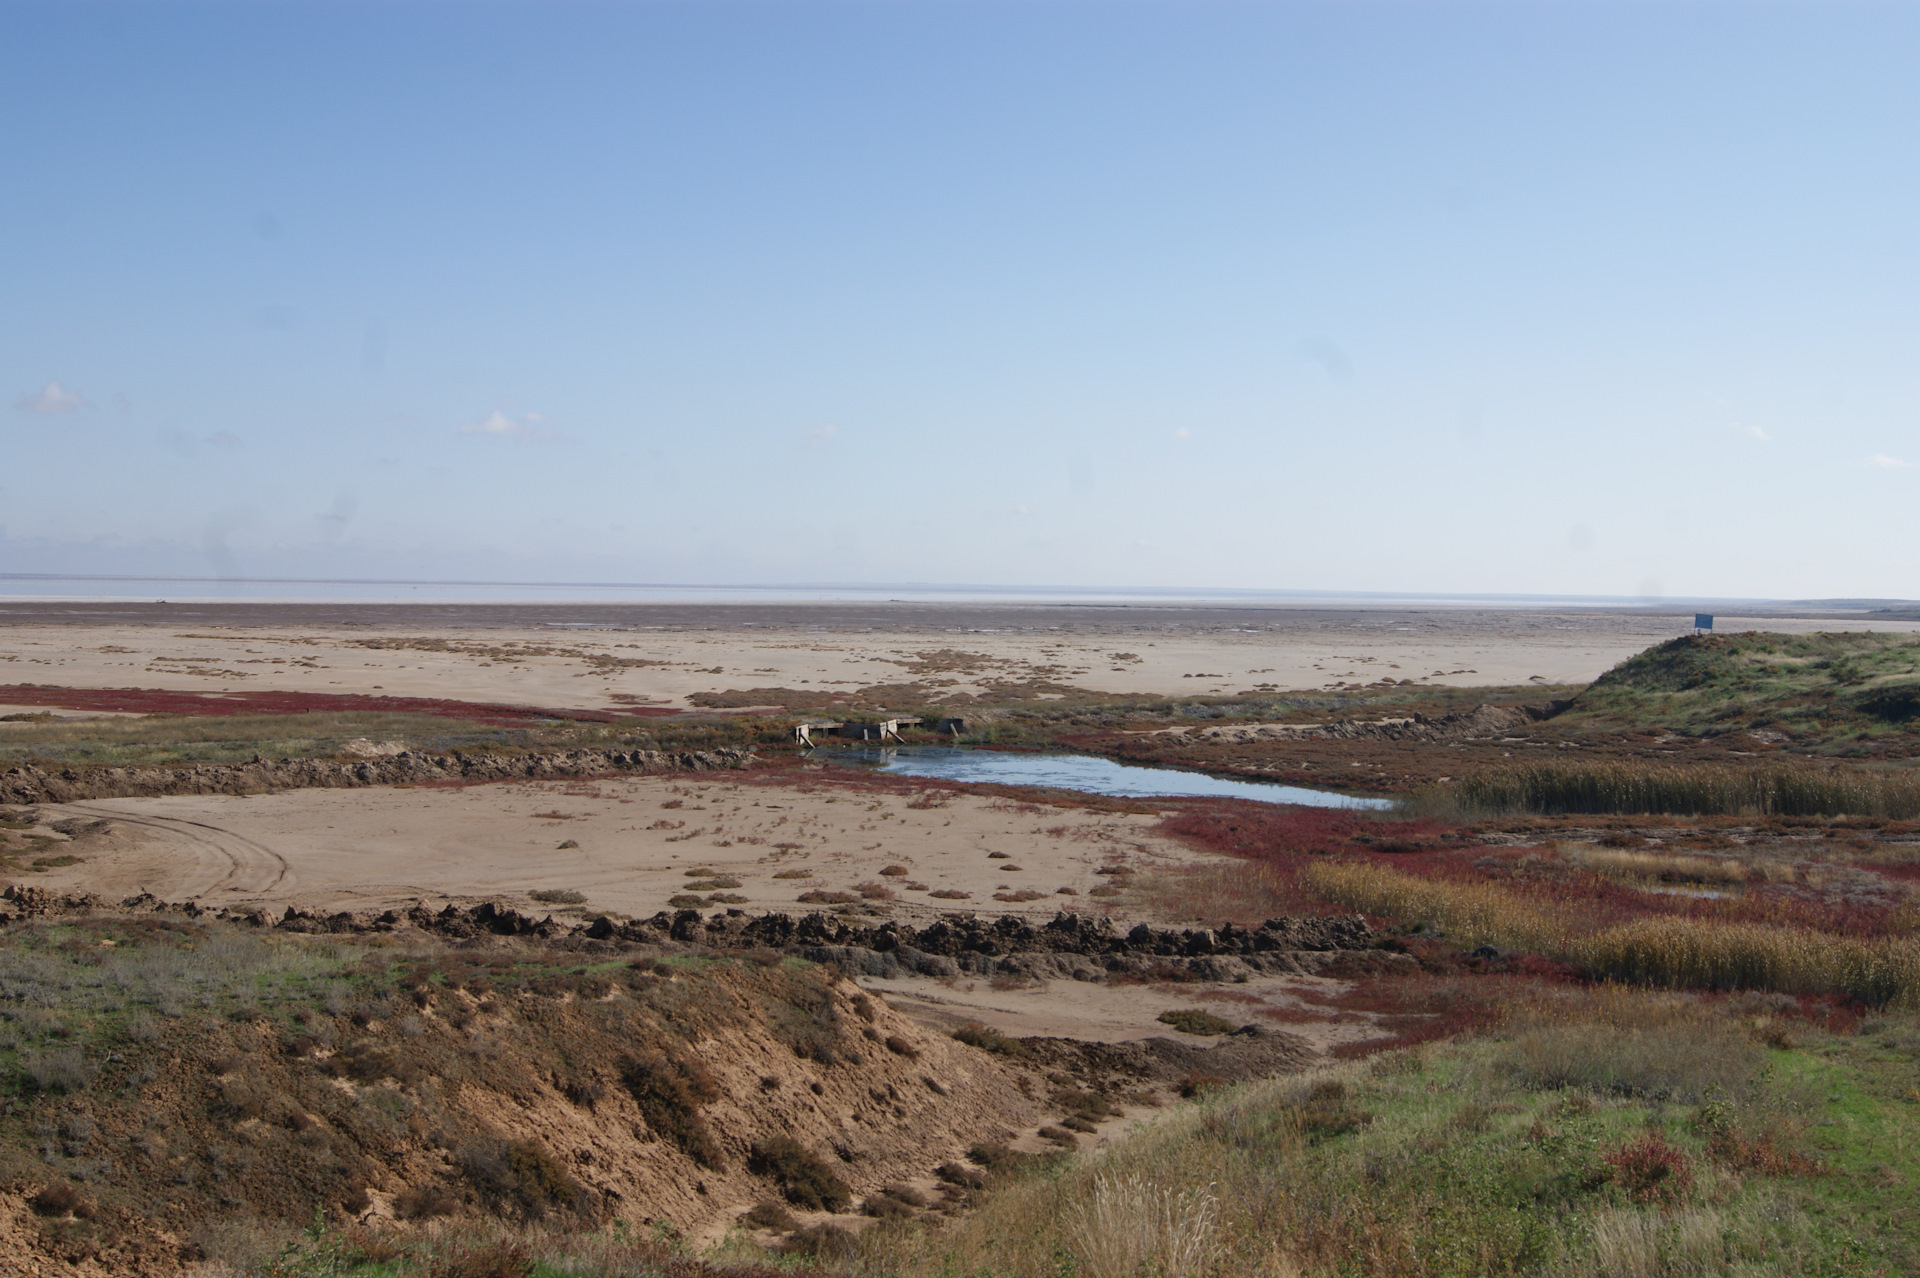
{"points": [[1612, 299]]}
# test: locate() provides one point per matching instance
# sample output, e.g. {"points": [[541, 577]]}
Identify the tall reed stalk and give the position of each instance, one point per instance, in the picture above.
{"points": [[1686, 789]]}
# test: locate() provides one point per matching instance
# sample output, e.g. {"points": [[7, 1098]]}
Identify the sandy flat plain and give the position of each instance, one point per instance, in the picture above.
{"points": [[600, 656], [635, 839], [628, 844]]}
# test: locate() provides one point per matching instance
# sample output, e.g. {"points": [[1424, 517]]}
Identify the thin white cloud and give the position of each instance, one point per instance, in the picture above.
{"points": [[1755, 432], [499, 425], [1880, 461], [820, 435], [52, 398], [1181, 432]]}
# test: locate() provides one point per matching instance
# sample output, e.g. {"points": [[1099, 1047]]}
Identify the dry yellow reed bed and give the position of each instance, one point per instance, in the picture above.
{"points": [[1678, 953]]}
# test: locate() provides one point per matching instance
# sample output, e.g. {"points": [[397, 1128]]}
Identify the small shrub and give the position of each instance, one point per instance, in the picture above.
{"points": [[687, 901], [1327, 1112], [1059, 1136], [895, 871], [559, 896], [828, 1243], [62, 1198], [949, 894], [820, 896], [806, 1179], [794, 874], [988, 1039], [418, 1202], [1650, 1170], [875, 891], [901, 1047], [1761, 1155], [885, 1207], [670, 1091], [1194, 1020], [520, 1172], [63, 1070], [956, 1174], [1197, 1084], [992, 1154], [768, 1214]]}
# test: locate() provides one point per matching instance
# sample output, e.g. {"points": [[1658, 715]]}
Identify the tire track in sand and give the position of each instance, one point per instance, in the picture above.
{"points": [[225, 862]]}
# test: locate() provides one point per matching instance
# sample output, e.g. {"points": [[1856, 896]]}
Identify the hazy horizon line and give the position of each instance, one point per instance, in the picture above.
{"points": [[928, 591]]}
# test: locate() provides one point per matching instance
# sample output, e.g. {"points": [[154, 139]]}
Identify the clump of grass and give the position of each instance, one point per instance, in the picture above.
{"points": [[1195, 1020], [1630, 787], [1665, 867], [1669, 952], [1618, 1042], [1471, 913], [988, 1039], [558, 896], [64, 1069], [1700, 954]]}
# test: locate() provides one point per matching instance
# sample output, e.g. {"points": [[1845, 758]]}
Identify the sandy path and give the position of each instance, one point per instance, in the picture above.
{"points": [[501, 656], [634, 841]]}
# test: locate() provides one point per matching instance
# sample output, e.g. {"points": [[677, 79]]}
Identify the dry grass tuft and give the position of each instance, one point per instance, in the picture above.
{"points": [[1471, 913], [1683, 953]]}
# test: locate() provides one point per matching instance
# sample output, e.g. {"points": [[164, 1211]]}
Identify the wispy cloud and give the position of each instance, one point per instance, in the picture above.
{"points": [[1755, 432], [820, 436], [1328, 355], [499, 425], [1181, 432], [1880, 461], [52, 398]]}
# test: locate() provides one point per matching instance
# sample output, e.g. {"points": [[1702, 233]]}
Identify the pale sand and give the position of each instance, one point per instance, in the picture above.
{"points": [[374, 849], [324, 851], [507, 655]]}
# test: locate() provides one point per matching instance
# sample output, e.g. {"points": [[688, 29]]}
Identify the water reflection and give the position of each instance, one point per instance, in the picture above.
{"points": [[1086, 773]]}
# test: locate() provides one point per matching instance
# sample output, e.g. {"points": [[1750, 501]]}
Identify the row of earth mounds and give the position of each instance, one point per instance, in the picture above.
{"points": [[28, 784], [1069, 946], [1481, 721]]}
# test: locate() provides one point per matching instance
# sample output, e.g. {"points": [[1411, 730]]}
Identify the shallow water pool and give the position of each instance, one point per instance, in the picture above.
{"points": [[1087, 773]]}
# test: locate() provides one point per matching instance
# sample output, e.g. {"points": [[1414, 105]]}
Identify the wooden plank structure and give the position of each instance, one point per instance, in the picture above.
{"points": [[880, 730]]}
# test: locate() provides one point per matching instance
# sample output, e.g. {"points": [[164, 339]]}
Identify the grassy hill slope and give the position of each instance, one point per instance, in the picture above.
{"points": [[1825, 686]]}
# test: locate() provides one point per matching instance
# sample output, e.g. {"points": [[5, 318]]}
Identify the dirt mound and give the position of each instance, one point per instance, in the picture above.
{"points": [[1481, 721], [1069, 947], [28, 784]]}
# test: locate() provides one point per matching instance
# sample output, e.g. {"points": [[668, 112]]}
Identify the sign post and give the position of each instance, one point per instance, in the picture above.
{"points": [[1702, 623]]}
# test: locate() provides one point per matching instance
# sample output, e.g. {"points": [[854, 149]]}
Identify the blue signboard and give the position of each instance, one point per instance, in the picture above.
{"points": [[1703, 621]]}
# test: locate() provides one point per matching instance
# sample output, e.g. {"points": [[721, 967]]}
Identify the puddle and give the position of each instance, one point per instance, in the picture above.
{"points": [[1088, 774]]}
